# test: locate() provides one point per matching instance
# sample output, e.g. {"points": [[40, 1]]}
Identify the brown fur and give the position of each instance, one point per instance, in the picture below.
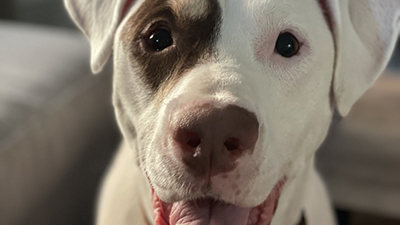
{"points": [[194, 40]]}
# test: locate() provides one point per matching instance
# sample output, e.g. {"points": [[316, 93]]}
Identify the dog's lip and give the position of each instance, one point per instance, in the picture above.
{"points": [[201, 210]]}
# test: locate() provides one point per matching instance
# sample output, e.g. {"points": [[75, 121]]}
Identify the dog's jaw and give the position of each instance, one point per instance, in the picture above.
{"points": [[202, 211]]}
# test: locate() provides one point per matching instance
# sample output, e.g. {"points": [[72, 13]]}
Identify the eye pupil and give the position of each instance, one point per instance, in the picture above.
{"points": [[160, 39], [287, 45]]}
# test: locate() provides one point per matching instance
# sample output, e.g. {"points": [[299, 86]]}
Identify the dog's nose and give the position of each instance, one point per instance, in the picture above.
{"points": [[210, 140]]}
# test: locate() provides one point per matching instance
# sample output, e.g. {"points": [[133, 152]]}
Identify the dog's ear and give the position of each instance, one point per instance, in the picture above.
{"points": [[365, 33], [98, 19]]}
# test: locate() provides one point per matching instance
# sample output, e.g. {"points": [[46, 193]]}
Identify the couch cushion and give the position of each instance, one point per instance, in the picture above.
{"points": [[360, 158], [35, 64], [51, 112]]}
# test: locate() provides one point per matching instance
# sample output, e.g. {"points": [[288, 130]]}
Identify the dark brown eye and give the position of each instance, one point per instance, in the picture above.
{"points": [[287, 45], [160, 39]]}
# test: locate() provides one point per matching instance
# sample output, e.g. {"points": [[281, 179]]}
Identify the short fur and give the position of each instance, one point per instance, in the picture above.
{"points": [[223, 54]]}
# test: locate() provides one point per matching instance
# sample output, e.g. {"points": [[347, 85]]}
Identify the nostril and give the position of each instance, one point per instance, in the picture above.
{"points": [[232, 144], [187, 139], [194, 140]]}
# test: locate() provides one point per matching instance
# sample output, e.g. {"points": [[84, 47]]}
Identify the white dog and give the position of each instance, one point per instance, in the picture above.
{"points": [[223, 103]]}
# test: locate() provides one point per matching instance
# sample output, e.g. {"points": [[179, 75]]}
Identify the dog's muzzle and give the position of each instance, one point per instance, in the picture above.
{"points": [[206, 139]]}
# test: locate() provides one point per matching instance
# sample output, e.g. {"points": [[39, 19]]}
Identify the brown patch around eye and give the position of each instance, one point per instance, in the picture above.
{"points": [[194, 36], [194, 9]]}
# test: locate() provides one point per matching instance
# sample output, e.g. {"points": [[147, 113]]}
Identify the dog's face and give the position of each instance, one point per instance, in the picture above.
{"points": [[221, 61], [224, 100]]}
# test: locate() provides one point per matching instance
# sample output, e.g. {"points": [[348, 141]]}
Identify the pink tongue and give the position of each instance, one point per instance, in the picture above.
{"points": [[206, 212]]}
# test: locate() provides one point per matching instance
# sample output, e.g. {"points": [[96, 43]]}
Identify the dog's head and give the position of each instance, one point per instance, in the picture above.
{"points": [[222, 100]]}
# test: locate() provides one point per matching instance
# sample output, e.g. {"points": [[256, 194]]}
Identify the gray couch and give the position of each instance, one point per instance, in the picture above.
{"points": [[57, 129]]}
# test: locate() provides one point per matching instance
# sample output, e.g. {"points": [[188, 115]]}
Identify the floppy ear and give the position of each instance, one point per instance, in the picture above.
{"points": [[98, 19], [365, 33]]}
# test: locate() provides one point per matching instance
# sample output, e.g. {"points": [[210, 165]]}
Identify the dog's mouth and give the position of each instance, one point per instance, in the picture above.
{"points": [[210, 211]]}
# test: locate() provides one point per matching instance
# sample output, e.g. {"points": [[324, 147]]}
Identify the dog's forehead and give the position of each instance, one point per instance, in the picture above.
{"points": [[195, 9], [198, 27]]}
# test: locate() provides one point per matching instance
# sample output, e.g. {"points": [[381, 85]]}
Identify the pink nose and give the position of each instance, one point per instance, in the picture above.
{"points": [[210, 140]]}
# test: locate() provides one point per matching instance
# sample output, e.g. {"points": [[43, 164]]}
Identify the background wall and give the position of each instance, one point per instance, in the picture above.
{"points": [[48, 12]]}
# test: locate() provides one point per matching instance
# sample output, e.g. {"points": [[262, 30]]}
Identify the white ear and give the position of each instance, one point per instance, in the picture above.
{"points": [[365, 33], [98, 20]]}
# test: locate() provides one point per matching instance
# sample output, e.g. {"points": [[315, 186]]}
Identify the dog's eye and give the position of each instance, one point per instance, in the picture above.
{"points": [[287, 45], [160, 39]]}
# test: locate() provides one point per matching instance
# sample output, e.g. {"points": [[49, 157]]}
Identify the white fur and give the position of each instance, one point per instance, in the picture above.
{"points": [[365, 34], [290, 97]]}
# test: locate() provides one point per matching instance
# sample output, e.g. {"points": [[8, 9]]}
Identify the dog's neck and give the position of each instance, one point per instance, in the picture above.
{"points": [[291, 204]]}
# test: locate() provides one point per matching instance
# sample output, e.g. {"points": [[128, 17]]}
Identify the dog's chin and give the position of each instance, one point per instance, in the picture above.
{"points": [[207, 211]]}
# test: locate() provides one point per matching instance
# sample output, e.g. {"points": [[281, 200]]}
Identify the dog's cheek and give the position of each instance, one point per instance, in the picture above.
{"points": [[130, 100], [308, 125], [137, 114]]}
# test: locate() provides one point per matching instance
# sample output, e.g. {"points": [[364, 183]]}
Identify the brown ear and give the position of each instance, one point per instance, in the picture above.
{"points": [[365, 33], [98, 20]]}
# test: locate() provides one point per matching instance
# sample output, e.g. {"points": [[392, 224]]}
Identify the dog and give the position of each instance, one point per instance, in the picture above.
{"points": [[222, 104]]}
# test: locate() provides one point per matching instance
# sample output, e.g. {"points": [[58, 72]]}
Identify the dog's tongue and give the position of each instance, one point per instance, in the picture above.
{"points": [[211, 212], [198, 212], [206, 212]]}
